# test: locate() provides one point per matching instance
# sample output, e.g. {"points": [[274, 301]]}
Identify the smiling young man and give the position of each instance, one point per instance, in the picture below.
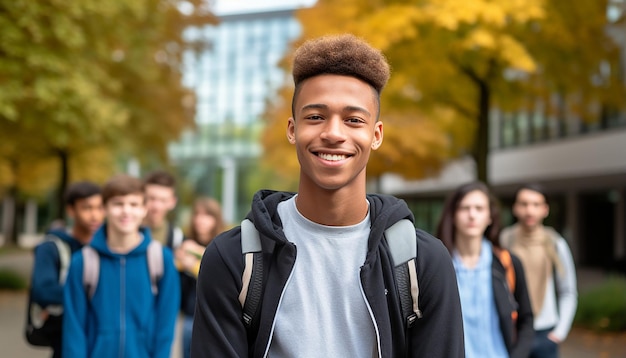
{"points": [[328, 277], [123, 315], [550, 270]]}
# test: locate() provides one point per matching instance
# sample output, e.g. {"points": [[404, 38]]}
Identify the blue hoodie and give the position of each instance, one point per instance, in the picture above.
{"points": [[45, 287], [123, 318]]}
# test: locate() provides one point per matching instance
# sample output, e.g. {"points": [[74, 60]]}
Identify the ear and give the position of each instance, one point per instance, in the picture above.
{"points": [[546, 211], [378, 135], [69, 209], [291, 130]]}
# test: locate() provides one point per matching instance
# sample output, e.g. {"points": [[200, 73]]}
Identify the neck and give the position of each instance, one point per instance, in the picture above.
{"points": [[468, 249], [122, 243], [203, 238], [155, 223], [532, 230], [332, 208], [81, 234]]}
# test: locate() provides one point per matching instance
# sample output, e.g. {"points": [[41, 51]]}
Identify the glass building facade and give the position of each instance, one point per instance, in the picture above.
{"points": [[234, 75]]}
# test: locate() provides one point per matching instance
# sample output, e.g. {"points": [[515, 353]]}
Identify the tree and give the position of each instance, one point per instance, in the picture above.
{"points": [[453, 62], [80, 76]]}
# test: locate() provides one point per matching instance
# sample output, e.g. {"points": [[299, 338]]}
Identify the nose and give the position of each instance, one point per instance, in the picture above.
{"points": [[333, 130]]}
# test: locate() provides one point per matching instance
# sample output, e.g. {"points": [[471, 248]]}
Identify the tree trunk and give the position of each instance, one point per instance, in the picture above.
{"points": [[481, 147], [9, 218], [59, 205]]}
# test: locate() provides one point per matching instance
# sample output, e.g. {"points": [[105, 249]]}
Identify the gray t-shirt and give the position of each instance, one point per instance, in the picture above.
{"points": [[323, 312]]}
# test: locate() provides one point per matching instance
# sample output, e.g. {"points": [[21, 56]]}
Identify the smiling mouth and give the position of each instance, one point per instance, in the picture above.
{"points": [[332, 157]]}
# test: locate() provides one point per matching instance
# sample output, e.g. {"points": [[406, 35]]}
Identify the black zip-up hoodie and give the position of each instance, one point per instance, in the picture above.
{"points": [[219, 330]]}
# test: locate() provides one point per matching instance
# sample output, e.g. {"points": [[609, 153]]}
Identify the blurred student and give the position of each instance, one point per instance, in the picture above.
{"points": [[83, 205], [497, 321], [124, 313], [206, 223], [549, 267], [160, 189]]}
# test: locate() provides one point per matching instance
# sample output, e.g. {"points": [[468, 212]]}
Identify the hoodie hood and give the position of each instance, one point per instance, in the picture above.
{"points": [[66, 236], [99, 242], [385, 210]]}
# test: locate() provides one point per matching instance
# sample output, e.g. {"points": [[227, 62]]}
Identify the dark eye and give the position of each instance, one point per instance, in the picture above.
{"points": [[354, 120], [315, 117]]}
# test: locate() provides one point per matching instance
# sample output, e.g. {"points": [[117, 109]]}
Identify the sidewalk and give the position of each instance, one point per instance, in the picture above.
{"points": [[579, 344]]}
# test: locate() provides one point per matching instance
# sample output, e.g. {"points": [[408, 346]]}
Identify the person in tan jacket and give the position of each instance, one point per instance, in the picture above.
{"points": [[549, 267]]}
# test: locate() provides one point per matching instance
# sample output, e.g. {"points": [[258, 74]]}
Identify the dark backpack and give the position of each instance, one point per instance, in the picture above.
{"points": [[43, 325], [401, 238]]}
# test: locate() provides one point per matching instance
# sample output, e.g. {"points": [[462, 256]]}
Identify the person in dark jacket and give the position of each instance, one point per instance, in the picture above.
{"points": [[206, 223], [328, 277], [123, 315], [498, 321], [83, 205]]}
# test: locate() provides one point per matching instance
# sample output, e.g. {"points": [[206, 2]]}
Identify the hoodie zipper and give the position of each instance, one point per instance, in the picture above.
{"points": [[280, 301], [369, 310], [122, 307]]}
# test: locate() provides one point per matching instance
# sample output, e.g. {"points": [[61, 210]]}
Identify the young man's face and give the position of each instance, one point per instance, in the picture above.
{"points": [[87, 213], [160, 200], [125, 213], [334, 130], [530, 208]]}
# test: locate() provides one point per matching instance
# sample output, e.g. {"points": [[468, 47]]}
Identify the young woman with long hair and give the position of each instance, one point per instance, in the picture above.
{"points": [[497, 320]]}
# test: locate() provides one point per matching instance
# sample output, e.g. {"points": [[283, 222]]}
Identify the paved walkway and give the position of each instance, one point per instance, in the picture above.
{"points": [[580, 343]]}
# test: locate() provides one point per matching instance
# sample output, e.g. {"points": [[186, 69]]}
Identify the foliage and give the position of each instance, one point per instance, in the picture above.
{"points": [[11, 280], [453, 62], [604, 307], [82, 82]]}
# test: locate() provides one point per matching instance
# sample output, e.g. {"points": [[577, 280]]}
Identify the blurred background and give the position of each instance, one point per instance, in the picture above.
{"points": [[506, 92]]}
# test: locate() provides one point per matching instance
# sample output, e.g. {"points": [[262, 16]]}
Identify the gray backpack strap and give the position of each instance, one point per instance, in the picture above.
{"points": [[155, 264], [65, 254], [252, 277], [91, 270], [402, 241]]}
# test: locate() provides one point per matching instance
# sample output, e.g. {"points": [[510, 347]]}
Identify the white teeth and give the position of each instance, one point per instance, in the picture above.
{"points": [[332, 157]]}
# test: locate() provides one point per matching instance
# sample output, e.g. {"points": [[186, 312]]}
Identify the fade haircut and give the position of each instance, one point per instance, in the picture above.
{"points": [[80, 190], [160, 177], [345, 55], [121, 185]]}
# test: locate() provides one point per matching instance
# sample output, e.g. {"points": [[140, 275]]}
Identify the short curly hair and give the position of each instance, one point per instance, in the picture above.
{"points": [[344, 54], [341, 55]]}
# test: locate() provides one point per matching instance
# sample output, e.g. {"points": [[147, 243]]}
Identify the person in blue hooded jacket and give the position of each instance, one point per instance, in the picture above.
{"points": [[123, 318], [83, 205]]}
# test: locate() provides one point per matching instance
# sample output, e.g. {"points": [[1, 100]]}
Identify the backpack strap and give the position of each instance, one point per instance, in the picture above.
{"points": [[65, 254], [91, 267], [504, 256], [91, 270], [155, 264], [402, 240], [252, 277]]}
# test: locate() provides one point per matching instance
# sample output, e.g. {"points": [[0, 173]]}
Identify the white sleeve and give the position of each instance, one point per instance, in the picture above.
{"points": [[567, 292]]}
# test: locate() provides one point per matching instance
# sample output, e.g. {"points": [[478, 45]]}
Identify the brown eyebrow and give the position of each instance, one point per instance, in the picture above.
{"points": [[345, 109]]}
